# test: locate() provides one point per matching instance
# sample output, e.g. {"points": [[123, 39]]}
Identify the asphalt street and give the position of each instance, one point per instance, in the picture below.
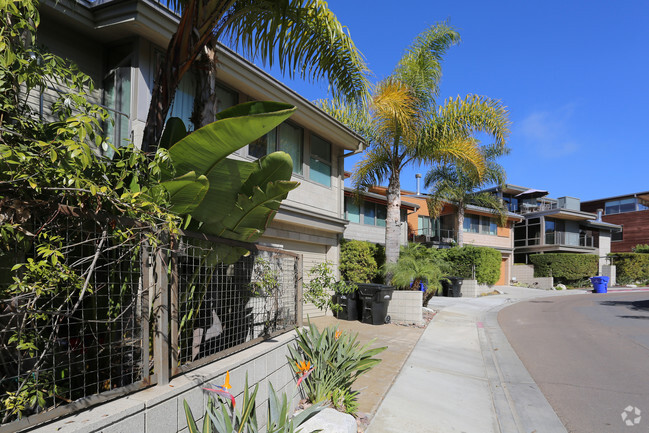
{"points": [[589, 355]]}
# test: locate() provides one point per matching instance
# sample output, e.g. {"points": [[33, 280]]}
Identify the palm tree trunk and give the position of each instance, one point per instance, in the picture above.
{"points": [[460, 225], [205, 101], [393, 220]]}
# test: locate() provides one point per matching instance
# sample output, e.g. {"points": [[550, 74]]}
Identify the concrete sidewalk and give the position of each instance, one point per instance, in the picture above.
{"points": [[463, 376]]}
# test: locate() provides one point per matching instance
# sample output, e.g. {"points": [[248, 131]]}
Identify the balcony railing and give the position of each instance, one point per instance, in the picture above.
{"points": [[560, 238], [442, 236]]}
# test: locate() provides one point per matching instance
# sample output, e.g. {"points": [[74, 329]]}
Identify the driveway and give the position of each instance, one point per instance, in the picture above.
{"points": [[589, 355]]}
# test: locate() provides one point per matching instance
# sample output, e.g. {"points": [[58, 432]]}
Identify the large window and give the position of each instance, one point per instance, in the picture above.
{"points": [[480, 224], [625, 205], [287, 138], [368, 213], [117, 99], [320, 161]]}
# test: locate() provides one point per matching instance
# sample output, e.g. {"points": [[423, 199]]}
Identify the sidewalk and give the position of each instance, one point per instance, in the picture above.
{"points": [[463, 376]]}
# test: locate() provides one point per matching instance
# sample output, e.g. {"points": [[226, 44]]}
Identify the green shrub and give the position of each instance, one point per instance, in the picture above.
{"points": [[357, 262], [565, 267], [641, 248], [631, 267], [321, 285], [485, 260]]}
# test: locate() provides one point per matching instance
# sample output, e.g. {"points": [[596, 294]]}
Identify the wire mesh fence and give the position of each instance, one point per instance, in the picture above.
{"points": [[95, 309], [70, 316], [225, 307]]}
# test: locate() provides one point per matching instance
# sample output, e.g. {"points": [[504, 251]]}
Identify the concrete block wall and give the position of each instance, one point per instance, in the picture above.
{"points": [[472, 289], [406, 306], [160, 409], [611, 272], [525, 274]]}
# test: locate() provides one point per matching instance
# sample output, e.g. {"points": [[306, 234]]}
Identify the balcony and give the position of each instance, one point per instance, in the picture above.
{"points": [[434, 236], [560, 238]]}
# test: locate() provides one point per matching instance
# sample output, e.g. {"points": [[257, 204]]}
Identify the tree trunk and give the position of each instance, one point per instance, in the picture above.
{"points": [[393, 220], [205, 101], [460, 225]]}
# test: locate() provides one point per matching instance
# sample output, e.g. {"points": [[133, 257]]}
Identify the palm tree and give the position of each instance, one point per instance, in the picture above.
{"points": [[417, 264], [404, 124], [302, 36], [459, 185]]}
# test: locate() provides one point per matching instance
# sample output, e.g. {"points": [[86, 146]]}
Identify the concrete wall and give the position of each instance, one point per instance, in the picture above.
{"points": [[525, 274], [611, 272], [374, 234], [472, 289], [406, 306], [160, 409], [604, 248], [487, 240]]}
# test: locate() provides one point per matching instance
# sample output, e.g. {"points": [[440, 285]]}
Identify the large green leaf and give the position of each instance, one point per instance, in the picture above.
{"points": [[203, 149], [175, 131], [186, 192]]}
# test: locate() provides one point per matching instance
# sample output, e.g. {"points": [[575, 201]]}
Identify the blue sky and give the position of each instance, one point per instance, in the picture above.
{"points": [[574, 75]]}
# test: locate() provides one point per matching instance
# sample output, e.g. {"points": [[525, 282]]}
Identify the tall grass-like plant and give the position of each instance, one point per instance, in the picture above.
{"points": [[338, 359], [221, 417]]}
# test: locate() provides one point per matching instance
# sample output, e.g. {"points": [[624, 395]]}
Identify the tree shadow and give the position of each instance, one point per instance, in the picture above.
{"points": [[634, 317], [631, 305]]}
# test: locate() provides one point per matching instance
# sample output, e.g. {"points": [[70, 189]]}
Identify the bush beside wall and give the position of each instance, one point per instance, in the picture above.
{"points": [[486, 261], [631, 267], [565, 267], [357, 262]]}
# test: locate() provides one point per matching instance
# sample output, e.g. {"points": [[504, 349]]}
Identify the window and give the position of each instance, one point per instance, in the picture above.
{"points": [[622, 206], [287, 138], [352, 210], [320, 161], [225, 98], [369, 213], [183, 102], [381, 215], [480, 224], [617, 234], [117, 99]]}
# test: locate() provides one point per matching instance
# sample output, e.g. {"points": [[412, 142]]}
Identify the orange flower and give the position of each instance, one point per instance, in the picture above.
{"points": [[223, 390], [226, 385], [305, 370], [338, 334], [303, 366]]}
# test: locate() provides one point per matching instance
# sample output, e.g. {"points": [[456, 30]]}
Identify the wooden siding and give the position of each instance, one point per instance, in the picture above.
{"points": [[635, 229]]}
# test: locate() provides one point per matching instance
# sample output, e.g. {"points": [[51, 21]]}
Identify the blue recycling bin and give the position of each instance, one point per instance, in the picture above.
{"points": [[600, 284]]}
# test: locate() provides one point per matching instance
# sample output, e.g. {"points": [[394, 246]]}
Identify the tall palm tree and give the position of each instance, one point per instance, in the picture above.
{"points": [[302, 36], [459, 185], [405, 125]]}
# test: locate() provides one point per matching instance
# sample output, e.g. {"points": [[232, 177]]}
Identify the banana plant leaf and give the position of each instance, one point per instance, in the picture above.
{"points": [[226, 197], [235, 127]]}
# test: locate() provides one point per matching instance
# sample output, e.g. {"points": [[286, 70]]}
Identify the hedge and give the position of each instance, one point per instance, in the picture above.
{"points": [[631, 267], [358, 262], [486, 261], [565, 267]]}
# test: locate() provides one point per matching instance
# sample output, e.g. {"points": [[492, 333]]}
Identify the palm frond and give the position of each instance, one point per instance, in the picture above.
{"points": [[421, 66], [373, 169], [355, 118], [304, 38], [393, 109], [465, 117]]}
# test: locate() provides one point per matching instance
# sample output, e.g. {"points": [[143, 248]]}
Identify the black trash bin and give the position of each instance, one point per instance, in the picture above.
{"points": [[349, 306], [446, 286], [452, 286], [456, 287], [374, 300]]}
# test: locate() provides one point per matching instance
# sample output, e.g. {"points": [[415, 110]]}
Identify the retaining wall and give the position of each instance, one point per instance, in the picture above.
{"points": [[472, 289], [406, 306], [160, 409]]}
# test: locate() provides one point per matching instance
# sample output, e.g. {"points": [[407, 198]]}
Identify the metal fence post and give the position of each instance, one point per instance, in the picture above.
{"points": [[161, 312], [174, 300], [299, 308]]}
